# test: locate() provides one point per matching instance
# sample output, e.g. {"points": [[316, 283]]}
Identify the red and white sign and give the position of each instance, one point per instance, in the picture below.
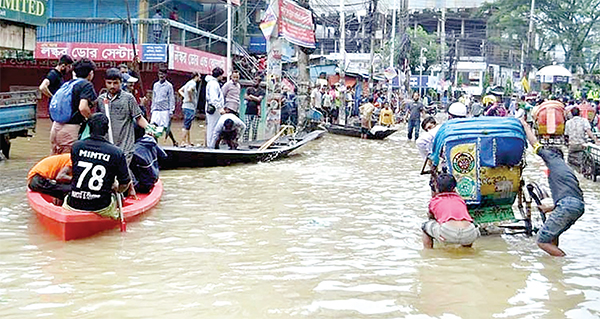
{"points": [[296, 24], [192, 60], [92, 51]]}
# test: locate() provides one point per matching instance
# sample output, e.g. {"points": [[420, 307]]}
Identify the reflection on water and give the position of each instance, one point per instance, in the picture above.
{"points": [[332, 232]]}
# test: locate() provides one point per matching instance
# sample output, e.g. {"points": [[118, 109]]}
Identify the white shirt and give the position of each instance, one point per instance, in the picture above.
{"points": [[214, 95], [425, 142], [190, 89], [237, 123]]}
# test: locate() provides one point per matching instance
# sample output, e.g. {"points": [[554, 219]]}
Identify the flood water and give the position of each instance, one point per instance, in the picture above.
{"points": [[332, 232]]}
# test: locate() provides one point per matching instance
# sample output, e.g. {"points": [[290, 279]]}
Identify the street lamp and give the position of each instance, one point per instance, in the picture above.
{"points": [[421, 72]]}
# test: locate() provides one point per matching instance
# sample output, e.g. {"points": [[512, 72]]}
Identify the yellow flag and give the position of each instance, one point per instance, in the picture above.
{"points": [[525, 84]]}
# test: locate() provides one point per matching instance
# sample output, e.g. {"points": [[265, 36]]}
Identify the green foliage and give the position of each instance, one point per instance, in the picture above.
{"points": [[421, 40], [568, 24], [508, 87]]}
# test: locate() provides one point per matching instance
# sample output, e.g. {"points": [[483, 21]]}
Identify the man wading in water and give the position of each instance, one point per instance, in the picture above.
{"points": [[568, 197]]}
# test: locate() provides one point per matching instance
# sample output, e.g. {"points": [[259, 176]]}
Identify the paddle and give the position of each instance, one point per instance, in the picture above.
{"points": [[111, 139], [120, 207], [268, 143]]}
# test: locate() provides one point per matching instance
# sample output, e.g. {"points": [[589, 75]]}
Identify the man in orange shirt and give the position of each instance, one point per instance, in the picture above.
{"points": [[52, 176]]}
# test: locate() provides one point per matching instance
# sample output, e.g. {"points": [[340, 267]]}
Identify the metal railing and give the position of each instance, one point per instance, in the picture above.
{"points": [[98, 30]]}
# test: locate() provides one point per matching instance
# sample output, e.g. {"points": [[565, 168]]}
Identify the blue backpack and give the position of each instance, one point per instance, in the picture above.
{"points": [[60, 104]]}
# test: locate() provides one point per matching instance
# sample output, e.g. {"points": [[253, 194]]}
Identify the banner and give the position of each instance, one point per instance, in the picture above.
{"points": [[296, 24], [192, 60], [267, 25], [100, 51]]}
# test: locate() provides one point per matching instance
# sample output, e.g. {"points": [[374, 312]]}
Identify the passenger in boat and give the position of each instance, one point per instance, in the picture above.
{"points": [[163, 104], [228, 129], [415, 108], [124, 113], [214, 103], [567, 195], [190, 99], [576, 130], [366, 111], [144, 165], [52, 176], [96, 164], [386, 116], [63, 135], [449, 220], [231, 92], [254, 96]]}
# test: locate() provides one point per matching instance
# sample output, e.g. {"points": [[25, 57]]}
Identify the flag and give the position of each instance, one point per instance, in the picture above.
{"points": [[525, 84], [390, 73], [268, 23]]}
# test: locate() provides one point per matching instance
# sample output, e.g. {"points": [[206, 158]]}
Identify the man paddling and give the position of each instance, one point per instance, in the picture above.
{"points": [[96, 164]]}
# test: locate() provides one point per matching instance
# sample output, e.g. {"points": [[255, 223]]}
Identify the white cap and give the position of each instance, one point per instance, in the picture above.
{"points": [[457, 109], [132, 79]]}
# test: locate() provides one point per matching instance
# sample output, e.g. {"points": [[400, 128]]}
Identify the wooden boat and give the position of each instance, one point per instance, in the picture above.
{"points": [[354, 131], [68, 225], [246, 153]]}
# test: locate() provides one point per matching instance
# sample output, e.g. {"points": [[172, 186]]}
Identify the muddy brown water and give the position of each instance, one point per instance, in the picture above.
{"points": [[332, 232]]}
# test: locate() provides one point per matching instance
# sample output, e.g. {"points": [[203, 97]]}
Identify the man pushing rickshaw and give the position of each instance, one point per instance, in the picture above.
{"points": [[485, 156]]}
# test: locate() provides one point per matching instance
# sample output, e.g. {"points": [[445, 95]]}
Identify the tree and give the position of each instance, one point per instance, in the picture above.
{"points": [[569, 24], [414, 43]]}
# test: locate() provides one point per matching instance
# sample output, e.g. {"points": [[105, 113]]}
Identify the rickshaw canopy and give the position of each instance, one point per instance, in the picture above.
{"points": [[501, 140]]}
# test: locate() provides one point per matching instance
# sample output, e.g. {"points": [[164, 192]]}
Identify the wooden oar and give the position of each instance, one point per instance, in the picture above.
{"points": [[111, 139], [272, 140], [120, 207]]}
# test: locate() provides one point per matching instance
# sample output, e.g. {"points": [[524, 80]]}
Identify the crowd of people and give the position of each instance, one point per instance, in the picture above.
{"points": [[102, 144], [106, 145]]}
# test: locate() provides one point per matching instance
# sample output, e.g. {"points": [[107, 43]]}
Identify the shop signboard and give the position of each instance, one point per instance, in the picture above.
{"points": [[192, 60], [101, 51], [32, 12], [296, 24]]}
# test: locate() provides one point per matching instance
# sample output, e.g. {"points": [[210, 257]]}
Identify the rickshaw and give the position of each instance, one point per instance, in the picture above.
{"points": [[590, 163], [550, 122], [486, 156]]}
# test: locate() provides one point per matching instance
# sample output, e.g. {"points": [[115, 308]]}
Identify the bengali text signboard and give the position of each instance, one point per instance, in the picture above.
{"points": [[101, 51], [192, 60], [296, 24]]}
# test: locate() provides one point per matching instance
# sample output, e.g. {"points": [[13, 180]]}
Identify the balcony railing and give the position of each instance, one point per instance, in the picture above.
{"points": [[96, 30]]}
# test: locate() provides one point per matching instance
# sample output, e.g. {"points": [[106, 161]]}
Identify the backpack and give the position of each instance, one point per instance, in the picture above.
{"points": [[61, 103]]}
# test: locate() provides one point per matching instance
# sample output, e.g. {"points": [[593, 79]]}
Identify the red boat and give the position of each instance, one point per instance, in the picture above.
{"points": [[68, 225]]}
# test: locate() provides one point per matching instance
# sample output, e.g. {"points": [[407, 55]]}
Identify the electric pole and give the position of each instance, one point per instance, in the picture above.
{"points": [[342, 66], [303, 77], [372, 14]]}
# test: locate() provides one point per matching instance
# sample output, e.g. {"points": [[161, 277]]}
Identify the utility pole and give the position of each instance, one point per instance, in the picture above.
{"points": [[229, 69], [530, 33], [303, 78], [456, 64], [443, 42], [373, 13], [392, 46], [342, 66]]}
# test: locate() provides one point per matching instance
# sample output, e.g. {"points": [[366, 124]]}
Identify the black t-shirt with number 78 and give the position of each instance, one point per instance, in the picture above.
{"points": [[96, 164]]}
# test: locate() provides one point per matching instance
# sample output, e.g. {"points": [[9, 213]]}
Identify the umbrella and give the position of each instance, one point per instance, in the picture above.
{"points": [[554, 70]]}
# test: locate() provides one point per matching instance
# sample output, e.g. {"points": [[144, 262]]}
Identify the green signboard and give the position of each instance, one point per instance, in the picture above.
{"points": [[32, 12]]}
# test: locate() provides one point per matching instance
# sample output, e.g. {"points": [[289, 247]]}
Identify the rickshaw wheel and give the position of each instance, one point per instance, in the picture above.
{"points": [[588, 167]]}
